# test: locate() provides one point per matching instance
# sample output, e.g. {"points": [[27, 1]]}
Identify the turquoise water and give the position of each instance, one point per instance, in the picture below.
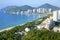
{"points": [[8, 20]]}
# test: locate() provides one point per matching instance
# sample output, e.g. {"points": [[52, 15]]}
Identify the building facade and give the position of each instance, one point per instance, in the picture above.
{"points": [[56, 15]]}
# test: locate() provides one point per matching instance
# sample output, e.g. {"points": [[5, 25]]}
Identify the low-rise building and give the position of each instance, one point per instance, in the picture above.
{"points": [[27, 29], [56, 29], [21, 33]]}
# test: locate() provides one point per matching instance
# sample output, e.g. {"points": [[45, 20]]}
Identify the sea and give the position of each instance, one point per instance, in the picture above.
{"points": [[10, 20]]}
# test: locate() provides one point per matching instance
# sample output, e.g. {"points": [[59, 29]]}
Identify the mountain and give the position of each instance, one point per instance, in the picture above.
{"points": [[11, 9], [48, 6], [26, 7], [7, 8]]}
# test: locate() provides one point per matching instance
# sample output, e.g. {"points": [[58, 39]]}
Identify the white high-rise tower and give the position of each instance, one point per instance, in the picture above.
{"points": [[55, 15], [59, 14]]}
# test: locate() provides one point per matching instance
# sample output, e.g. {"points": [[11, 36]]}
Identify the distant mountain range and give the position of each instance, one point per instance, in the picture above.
{"points": [[47, 6], [17, 8], [26, 7]]}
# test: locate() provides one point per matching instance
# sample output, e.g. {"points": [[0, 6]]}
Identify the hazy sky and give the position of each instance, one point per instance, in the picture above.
{"points": [[33, 3]]}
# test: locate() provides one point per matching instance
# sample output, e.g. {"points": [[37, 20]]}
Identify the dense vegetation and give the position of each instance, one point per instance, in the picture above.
{"points": [[41, 35]]}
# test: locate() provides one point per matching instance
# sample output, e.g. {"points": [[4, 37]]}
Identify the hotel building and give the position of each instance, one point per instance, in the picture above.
{"points": [[56, 15]]}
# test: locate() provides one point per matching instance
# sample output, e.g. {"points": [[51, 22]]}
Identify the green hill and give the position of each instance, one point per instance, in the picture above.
{"points": [[47, 6], [11, 9]]}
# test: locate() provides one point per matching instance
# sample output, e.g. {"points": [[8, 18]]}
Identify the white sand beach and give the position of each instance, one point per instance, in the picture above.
{"points": [[6, 29], [10, 28]]}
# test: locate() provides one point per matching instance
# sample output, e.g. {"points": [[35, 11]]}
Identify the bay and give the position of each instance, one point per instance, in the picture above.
{"points": [[10, 20]]}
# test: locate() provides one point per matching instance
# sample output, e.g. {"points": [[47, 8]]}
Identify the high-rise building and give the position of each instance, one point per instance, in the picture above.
{"points": [[34, 10], [43, 10], [29, 11], [58, 14], [38, 10], [55, 15], [21, 12], [50, 10]]}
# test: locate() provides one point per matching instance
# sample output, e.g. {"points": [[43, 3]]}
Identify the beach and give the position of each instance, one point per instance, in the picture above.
{"points": [[6, 29], [10, 27]]}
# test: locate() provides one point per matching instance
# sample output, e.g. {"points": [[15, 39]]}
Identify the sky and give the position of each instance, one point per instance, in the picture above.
{"points": [[33, 3]]}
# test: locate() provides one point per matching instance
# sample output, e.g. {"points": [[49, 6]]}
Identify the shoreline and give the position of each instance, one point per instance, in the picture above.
{"points": [[6, 29], [9, 28]]}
